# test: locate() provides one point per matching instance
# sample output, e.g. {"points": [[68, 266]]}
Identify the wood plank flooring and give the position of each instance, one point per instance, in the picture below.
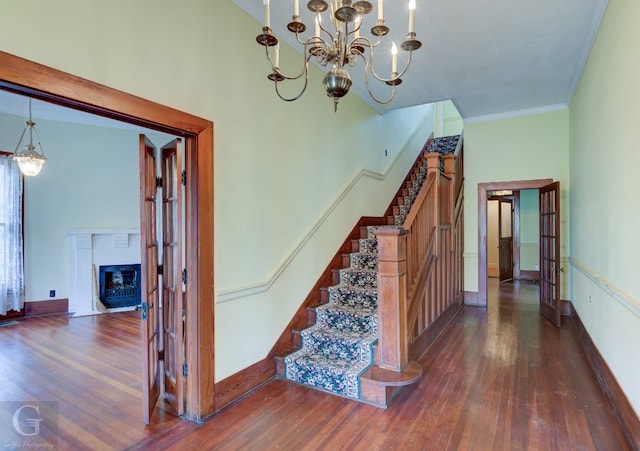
{"points": [[500, 378]]}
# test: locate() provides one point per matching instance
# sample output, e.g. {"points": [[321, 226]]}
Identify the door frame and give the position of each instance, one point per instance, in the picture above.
{"points": [[29, 78], [483, 195], [515, 227]]}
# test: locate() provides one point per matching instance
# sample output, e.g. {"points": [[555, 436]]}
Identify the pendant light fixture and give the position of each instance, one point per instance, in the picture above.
{"points": [[29, 160]]}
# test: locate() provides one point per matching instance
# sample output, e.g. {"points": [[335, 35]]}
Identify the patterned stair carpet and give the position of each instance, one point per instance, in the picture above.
{"points": [[338, 348]]}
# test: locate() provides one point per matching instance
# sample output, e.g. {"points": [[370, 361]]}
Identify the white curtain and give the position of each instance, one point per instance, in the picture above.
{"points": [[11, 258]]}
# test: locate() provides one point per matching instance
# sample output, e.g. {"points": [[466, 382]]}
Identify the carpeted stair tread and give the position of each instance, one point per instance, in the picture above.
{"points": [[363, 278], [349, 295], [363, 260], [344, 338], [361, 319], [337, 375], [368, 245]]}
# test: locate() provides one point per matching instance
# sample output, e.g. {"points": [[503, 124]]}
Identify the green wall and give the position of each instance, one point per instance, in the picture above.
{"points": [[513, 149], [291, 179], [604, 196], [529, 229], [90, 181]]}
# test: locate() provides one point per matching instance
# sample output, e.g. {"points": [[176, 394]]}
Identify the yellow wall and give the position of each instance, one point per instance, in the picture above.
{"points": [[604, 197], [291, 179], [518, 148]]}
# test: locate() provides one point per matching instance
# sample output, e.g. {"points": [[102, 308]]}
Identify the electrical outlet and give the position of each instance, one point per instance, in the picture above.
{"points": [[52, 293]]}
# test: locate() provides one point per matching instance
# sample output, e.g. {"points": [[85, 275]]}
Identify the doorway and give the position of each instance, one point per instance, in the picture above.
{"points": [[501, 240], [34, 80], [484, 192]]}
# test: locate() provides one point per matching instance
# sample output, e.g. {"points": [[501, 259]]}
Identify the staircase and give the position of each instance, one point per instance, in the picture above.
{"points": [[336, 354]]}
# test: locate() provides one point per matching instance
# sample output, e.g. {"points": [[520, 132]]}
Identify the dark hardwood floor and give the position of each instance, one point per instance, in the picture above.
{"points": [[500, 378]]}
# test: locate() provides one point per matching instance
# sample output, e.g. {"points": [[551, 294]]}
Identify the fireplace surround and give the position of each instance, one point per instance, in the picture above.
{"points": [[88, 250]]}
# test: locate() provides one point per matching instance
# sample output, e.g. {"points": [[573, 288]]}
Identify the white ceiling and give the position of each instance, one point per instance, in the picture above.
{"points": [[489, 57]]}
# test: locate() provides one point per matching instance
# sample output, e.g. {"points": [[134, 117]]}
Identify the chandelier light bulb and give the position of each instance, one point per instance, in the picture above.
{"points": [[412, 16]]}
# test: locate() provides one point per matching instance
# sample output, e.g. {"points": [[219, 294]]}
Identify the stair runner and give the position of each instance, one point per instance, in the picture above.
{"points": [[338, 348]]}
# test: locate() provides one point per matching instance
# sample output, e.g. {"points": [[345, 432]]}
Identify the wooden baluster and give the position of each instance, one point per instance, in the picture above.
{"points": [[393, 345]]}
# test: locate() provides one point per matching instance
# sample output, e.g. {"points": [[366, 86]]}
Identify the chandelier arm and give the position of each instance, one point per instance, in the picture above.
{"points": [[277, 69], [369, 66], [305, 72], [371, 94], [326, 30], [300, 41]]}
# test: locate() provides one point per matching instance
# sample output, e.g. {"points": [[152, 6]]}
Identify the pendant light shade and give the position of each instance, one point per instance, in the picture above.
{"points": [[30, 161]]}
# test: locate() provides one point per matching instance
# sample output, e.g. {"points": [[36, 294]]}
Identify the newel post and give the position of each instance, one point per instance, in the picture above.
{"points": [[433, 162], [393, 347], [449, 165]]}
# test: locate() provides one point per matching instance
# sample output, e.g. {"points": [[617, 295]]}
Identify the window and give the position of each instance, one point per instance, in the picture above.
{"points": [[11, 248]]}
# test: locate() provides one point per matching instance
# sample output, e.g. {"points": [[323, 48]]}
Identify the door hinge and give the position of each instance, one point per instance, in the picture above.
{"points": [[185, 370], [159, 182], [161, 355], [160, 270], [184, 177], [184, 276]]}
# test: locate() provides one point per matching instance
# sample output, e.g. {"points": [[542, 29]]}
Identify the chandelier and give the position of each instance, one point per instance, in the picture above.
{"points": [[29, 160], [340, 47]]}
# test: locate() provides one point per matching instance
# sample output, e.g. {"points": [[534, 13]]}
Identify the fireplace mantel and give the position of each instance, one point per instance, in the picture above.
{"points": [[90, 248]]}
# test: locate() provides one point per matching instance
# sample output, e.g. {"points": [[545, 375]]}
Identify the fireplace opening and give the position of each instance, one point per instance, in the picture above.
{"points": [[120, 285]]}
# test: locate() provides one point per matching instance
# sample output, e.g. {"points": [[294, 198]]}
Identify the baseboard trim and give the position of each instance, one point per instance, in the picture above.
{"points": [[46, 307], [626, 416], [241, 384], [529, 275], [12, 314], [471, 298]]}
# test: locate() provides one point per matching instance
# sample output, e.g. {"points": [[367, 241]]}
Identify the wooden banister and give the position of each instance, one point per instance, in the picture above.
{"points": [[420, 265]]}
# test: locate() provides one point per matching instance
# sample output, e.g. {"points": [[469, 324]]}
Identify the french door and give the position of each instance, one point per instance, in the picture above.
{"points": [[505, 238], [162, 308], [550, 252]]}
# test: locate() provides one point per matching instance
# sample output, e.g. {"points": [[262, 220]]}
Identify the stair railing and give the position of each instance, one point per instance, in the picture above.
{"points": [[420, 263]]}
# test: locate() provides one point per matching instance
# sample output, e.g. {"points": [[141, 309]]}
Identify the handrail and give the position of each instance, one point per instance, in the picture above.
{"points": [[426, 253]]}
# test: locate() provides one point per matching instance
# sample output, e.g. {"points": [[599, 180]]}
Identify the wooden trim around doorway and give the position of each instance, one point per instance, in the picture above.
{"points": [[483, 190], [37, 81]]}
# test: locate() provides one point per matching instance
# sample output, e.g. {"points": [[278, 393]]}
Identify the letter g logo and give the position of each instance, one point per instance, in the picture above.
{"points": [[34, 423]]}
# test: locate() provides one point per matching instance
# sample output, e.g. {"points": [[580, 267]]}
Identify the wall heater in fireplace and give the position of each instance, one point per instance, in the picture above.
{"points": [[120, 285]]}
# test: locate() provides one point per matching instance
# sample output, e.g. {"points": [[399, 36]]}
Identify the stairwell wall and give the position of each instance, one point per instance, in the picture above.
{"points": [[604, 159], [291, 179]]}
